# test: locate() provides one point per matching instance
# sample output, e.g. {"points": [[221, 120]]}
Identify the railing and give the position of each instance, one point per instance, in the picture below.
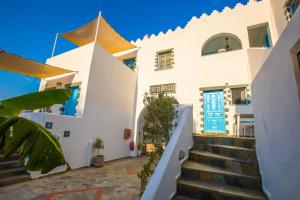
{"points": [[244, 125], [162, 184]]}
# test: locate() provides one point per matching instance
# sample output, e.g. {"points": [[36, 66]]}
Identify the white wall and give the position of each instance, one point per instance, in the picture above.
{"points": [[78, 60], [110, 101], [256, 58], [277, 115], [192, 71], [278, 17], [107, 97]]}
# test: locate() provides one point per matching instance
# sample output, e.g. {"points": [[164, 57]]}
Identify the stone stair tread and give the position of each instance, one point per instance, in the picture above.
{"points": [[13, 156], [219, 156], [231, 147], [222, 136], [14, 179], [224, 189], [207, 168], [22, 168], [179, 197], [8, 162]]}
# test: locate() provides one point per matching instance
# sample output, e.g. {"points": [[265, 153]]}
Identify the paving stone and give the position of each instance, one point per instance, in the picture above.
{"points": [[116, 180]]}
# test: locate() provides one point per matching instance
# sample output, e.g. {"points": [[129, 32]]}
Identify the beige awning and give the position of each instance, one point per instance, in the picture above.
{"points": [[17, 64], [107, 37]]}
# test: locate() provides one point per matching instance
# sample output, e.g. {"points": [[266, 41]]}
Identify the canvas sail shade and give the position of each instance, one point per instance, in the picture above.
{"points": [[107, 37], [20, 65]]}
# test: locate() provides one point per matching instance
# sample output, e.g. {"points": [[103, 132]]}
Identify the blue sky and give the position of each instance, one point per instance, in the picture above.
{"points": [[28, 27]]}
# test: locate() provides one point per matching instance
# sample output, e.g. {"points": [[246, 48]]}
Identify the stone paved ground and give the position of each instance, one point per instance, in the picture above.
{"points": [[116, 180]]}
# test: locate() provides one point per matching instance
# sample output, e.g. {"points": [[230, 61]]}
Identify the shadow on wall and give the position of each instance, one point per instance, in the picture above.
{"points": [[277, 115]]}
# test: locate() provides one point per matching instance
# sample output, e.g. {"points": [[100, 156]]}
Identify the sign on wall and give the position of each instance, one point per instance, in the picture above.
{"points": [[168, 88], [66, 133]]}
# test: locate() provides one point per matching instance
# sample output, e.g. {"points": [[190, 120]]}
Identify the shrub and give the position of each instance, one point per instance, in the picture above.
{"points": [[158, 124]]}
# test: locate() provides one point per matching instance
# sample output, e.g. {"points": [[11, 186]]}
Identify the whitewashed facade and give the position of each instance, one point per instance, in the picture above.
{"points": [[210, 64]]}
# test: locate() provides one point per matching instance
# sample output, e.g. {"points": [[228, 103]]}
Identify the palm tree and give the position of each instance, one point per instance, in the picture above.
{"points": [[29, 139]]}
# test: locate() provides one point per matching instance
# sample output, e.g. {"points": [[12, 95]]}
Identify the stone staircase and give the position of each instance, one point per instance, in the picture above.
{"points": [[12, 171], [220, 168]]}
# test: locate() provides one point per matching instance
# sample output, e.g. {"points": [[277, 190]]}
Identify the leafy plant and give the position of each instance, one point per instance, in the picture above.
{"points": [[98, 144], [158, 124], [141, 146], [29, 139]]}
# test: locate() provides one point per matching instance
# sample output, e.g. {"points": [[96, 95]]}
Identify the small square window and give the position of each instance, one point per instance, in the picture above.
{"points": [[239, 96], [48, 125], [164, 60], [131, 63], [66, 133], [259, 36]]}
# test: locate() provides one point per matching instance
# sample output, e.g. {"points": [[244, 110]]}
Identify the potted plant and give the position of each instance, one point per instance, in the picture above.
{"points": [[98, 161], [140, 149]]}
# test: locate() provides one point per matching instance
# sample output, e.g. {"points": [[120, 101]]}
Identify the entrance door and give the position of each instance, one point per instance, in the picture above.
{"points": [[70, 105], [214, 117]]}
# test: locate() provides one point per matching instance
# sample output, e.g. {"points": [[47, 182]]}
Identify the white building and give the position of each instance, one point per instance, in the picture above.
{"points": [[210, 63]]}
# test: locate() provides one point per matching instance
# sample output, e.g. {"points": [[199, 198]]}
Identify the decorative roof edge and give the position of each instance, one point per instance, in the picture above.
{"points": [[194, 18]]}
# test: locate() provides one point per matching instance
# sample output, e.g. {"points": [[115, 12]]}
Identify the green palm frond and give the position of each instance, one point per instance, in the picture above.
{"points": [[34, 142], [33, 101], [31, 140]]}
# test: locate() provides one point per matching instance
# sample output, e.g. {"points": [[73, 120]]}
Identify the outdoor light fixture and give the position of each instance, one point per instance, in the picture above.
{"points": [[227, 47], [58, 85]]}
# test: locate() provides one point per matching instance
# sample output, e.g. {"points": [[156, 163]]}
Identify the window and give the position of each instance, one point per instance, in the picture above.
{"points": [[221, 43], [259, 36], [164, 59], [131, 63], [290, 8], [239, 96]]}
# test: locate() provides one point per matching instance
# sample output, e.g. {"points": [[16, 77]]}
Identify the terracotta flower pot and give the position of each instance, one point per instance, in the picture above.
{"points": [[98, 161]]}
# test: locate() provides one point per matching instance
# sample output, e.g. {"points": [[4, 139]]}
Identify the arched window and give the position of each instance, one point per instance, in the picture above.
{"points": [[221, 43]]}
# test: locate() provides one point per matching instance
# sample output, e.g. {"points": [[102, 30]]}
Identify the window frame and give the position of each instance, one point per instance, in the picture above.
{"points": [[270, 39], [158, 61], [243, 102]]}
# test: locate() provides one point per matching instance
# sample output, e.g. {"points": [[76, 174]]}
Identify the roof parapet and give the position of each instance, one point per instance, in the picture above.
{"points": [[204, 16]]}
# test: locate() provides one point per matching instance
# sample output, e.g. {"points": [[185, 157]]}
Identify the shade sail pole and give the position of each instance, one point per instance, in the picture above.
{"points": [[54, 46], [97, 29]]}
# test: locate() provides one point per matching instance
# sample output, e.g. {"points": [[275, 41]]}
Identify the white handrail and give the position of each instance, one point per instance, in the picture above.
{"points": [[162, 184]]}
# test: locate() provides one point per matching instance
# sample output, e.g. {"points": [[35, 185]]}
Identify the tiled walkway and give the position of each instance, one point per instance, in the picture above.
{"points": [[116, 180]]}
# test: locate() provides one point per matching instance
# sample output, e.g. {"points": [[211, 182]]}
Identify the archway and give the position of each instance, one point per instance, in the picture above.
{"points": [[221, 43]]}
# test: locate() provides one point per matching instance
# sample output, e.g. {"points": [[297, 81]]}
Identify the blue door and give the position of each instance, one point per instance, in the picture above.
{"points": [[214, 118], [70, 105]]}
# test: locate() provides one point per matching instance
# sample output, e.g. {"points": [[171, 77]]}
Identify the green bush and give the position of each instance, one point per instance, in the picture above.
{"points": [[158, 124]]}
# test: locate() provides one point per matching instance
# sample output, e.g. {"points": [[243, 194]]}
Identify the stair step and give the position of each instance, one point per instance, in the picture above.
{"points": [[198, 171], [9, 164], [226, 162], [208, 191], [14, 156], [12, 172], [14, 179], [240, 153], [179, 197], [225, 140]]}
